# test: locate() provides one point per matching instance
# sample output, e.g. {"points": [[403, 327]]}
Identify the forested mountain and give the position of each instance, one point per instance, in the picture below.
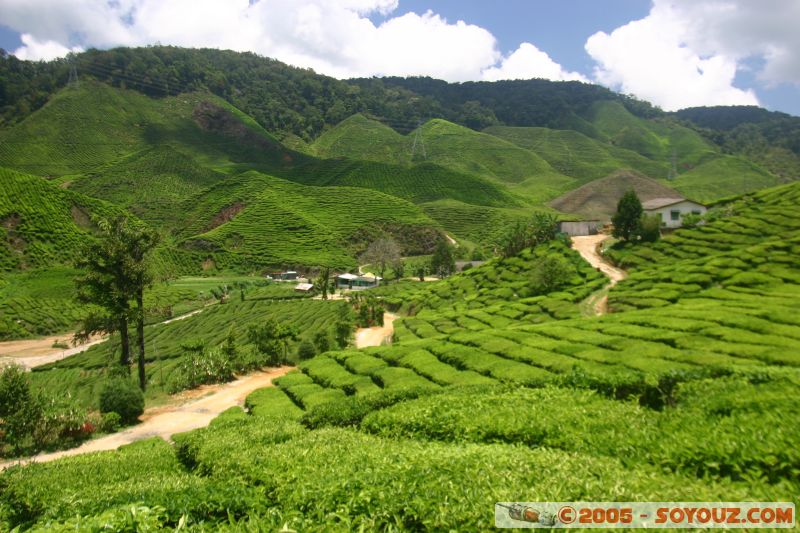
{"points": [[767, 137], [285, 99]]}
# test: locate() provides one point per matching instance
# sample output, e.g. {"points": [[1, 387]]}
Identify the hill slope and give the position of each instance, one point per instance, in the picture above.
{"points": [[597, 200], [574, 154], [447, 145], [702, 386], [261, 220], [42, 223]]}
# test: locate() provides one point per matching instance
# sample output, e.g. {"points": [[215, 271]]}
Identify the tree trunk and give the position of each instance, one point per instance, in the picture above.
{"points": [[140, 335], [125, 358]]}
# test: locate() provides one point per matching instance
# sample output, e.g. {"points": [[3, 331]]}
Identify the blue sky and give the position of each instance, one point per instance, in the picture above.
{"points": [[559, 28], [674, 53]]}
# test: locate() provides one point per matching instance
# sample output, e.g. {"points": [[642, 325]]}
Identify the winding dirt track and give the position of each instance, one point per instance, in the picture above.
{"points": [[30, 353], [587, 246], [375, 336], [167, 420]]}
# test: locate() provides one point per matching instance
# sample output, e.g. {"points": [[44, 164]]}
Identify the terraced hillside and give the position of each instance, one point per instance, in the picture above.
{"points": [[686, 401], [750, 247], [447, 145], [42, 223], [703, 173], [260, 220], [475, 223], [577, 155]]}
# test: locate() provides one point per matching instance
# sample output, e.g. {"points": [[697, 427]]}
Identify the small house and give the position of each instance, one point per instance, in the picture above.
{"points": [[289, 275], [354, 282], [671, 210], [303, 287]]}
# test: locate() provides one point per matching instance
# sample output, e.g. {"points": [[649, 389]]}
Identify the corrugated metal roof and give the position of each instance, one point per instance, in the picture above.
{"points": [[657, 203]]}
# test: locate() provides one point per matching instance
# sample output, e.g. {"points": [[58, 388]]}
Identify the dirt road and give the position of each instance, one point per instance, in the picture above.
{"points": [[167, 420], [376, 335], [587, 247], [31, 353]]}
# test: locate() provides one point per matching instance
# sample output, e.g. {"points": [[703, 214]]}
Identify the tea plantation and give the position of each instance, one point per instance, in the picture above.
{"points": [[490, 392], [82, 375]]}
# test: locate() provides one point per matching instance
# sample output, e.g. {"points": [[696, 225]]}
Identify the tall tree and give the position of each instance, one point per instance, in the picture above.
{"points": [[116, 273], [381, 253], [324, 281], [140, 245], [443, 263], [105, 283], [628, 218]]}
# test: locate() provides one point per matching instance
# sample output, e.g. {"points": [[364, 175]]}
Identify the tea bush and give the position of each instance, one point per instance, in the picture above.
{"points": [[123, 397]]}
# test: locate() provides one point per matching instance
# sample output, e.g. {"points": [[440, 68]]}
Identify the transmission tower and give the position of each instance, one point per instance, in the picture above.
{"points": [[418, 140], [673, 168], [73, 74]]}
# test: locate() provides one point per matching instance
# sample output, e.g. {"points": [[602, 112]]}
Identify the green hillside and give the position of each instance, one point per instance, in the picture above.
{"points": [[712, 179], [263, 221], [703, 173], [597, 200], [511, 380], [447, 145], [424, 182], [576, 155], [43, 224], [358, 137], [474, 223]]}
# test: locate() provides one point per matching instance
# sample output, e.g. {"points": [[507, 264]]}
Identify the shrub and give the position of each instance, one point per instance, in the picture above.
{"points": [[323, 341], [122, 397], [306, 350], [650, 229], [110, 422], [206, 367], [551, 273], [19, 408]]}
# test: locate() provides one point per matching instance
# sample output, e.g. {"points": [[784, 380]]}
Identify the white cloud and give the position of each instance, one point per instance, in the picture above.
{"points": [[767, 29], [334, 37], [529, 62], [35, 50], [687, 52]]}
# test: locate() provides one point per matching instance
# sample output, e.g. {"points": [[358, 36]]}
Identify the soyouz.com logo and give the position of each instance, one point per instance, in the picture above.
{"points": [[723, 515]]}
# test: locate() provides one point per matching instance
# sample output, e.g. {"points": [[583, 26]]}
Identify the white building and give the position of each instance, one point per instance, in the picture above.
{"points": [[356, 283], [672, 209]]}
